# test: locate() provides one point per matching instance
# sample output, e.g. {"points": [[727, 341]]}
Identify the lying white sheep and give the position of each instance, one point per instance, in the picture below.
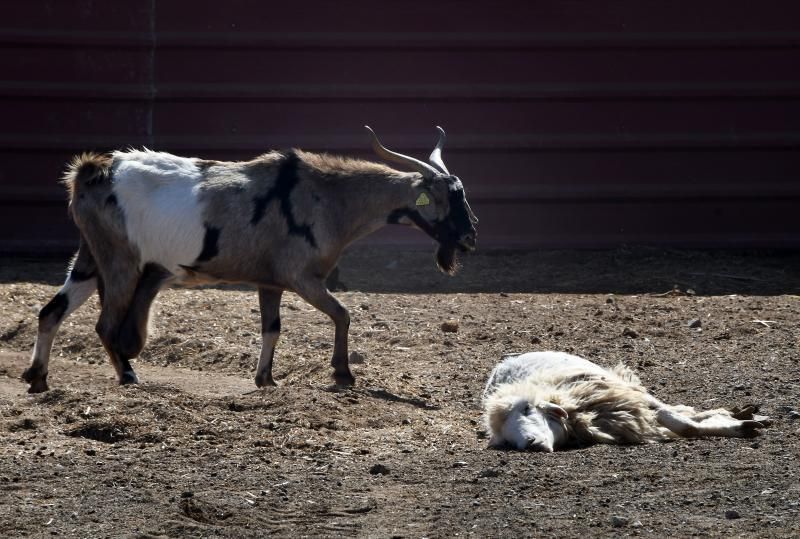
{"points": [[543, 401]]}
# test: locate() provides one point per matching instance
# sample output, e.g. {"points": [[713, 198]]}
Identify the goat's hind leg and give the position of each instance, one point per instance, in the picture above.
{"points": [[269, 302], [315, 293], [123, 319], [80, 285]]}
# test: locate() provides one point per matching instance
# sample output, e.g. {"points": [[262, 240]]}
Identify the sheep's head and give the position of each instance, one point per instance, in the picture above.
{"points": [[439, 206], [525, 425]]}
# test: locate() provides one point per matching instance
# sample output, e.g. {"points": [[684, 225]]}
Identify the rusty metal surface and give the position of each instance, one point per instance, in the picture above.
{"points": [[573, 124]]}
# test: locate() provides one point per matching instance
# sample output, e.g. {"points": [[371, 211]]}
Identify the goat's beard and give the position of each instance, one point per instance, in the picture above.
{"points": [[447, 259]]}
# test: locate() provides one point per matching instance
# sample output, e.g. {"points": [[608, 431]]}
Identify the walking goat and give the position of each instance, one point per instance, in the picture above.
{"points": [[148, 220]]}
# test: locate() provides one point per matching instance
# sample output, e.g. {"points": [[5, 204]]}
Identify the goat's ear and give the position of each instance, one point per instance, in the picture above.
{"points": [[553, 409]]}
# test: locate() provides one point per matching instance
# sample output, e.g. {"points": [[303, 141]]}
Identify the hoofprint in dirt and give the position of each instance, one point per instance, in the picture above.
{"points": [[194, 451]]}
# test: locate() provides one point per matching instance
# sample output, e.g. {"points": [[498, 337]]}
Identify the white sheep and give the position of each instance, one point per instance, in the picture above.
{"points": [[545, 401]]}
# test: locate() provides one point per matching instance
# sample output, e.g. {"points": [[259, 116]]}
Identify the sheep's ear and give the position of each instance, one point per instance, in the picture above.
{"points": [[553, 409]]}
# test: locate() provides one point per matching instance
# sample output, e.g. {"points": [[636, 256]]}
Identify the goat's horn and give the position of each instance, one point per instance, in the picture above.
{"points": [[425, 169], [436, 155]]}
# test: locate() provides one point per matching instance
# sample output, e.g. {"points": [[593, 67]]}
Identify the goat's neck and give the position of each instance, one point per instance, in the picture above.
{"points": [[379, 197]]}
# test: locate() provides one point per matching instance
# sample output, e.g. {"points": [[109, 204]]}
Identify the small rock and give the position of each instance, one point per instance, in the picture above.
{"points": [[535, 340], [476, 503], [695, 323], [187, 494], [356, 357], [489, 472], [451, 326], [619, 522], [637, 524], [460, 464], [732, 514], [90, 452], [794, 414], [379, 469], [628, 332]]}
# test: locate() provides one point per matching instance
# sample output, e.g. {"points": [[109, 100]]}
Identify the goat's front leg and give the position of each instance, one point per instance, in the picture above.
{"points": [[80, 285], [315, 293], [269, 301]]}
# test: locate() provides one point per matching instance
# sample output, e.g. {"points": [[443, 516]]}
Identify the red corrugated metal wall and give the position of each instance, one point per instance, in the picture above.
{"points": [[585, 124]]}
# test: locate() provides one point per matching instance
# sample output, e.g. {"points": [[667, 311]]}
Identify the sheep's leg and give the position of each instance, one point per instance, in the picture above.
{"points": [[315, 293], [119, 291], [269, 301], [80, 284], [712, 423]]}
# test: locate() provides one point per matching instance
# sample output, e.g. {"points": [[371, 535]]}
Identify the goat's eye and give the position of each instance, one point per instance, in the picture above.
{"points": [[527, 409]]}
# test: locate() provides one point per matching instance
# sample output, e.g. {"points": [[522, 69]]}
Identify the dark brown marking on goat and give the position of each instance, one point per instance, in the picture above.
{"points": [[55, 309], [431, 229], [78, 276], [82, 267], [210, 244], [285, 183]]}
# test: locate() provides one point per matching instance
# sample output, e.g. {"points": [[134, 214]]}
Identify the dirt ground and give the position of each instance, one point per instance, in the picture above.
{"points": [[195, 451]]}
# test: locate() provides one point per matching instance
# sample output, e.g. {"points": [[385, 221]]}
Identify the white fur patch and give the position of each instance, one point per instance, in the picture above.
{"points": [[163, 216]]}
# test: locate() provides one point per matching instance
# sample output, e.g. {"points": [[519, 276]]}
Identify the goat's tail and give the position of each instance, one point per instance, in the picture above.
{"points": [[85, 170]]}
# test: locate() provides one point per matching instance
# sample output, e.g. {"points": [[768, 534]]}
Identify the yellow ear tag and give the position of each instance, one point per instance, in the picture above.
{"points": [[423, 200]]}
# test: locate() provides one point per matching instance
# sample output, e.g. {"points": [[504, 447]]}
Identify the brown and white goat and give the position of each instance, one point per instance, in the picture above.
{"points": [[545, 401], [148, 220]]}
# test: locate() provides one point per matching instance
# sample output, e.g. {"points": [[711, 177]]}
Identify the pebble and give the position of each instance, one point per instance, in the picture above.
{"points": [[187, 494], [379, 469], [794, 414], [90, 452], [628, 332], [460, 464], [489, 472], [619, 522], [450, 326], [695, 323], [732, 514], [535, 340]]}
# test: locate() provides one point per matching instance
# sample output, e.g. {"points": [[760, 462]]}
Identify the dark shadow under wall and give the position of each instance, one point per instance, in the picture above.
{"points": [[635, 270]]}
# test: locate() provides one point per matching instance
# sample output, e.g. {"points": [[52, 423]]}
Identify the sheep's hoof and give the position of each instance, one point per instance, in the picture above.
{"points": [[37, 380], [343, 379], [265, 380], [128, 378]]}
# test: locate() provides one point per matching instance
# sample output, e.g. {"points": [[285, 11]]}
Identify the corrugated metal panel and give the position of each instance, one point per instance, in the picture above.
{"points": [[572, 123]]}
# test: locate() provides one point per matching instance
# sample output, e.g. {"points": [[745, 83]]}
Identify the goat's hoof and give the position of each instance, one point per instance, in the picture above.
{"points": [[265, 381], [37, 380], [343, 379], [128, 378], [38, 386]]}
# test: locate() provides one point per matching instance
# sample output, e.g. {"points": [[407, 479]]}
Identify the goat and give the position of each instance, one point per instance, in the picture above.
{"points": [[148, 220], [544, 401]]}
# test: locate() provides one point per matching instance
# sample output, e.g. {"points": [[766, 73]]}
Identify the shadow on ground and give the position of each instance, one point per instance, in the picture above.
{"points": [[633, 270]]}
